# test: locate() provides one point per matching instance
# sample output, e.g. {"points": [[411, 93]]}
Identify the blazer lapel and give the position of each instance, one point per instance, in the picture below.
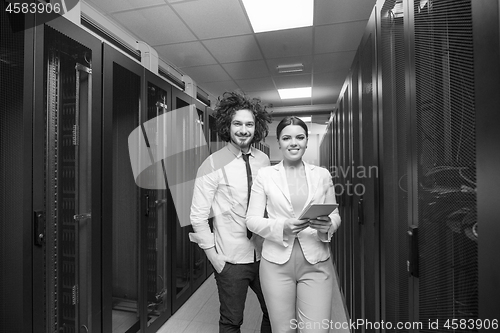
{"points": [[312, 182], [280, 180]]}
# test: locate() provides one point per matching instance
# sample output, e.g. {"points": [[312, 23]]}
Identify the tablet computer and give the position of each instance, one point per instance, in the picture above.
{"points": [[313, 210]]}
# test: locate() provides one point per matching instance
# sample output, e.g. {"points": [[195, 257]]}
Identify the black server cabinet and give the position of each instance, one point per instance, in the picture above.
{"points": [[188, 260], [396, 305], [423, 85], [16, 107], [353, 142], [445, 205], [124, 203], [357, 199], [159, 206], [200, 262], [367, 174], [66, 179], [486, 30]]}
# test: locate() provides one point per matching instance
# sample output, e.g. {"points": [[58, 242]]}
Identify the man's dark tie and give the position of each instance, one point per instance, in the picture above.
{"points": [[249, 183]]}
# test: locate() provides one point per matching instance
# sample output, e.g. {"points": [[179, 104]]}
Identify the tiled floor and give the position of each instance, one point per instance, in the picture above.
{"points": [[200, 314]]}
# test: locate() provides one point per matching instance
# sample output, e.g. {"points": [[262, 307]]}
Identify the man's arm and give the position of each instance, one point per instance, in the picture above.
{"points": [[205, 187]]}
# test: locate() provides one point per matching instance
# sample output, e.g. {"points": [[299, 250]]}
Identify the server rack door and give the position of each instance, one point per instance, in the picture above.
{"points": [[357, 306], [67, 197], [199, 259], [349, 189], [16, 106], [486, 18], [368, 174], [214, 144], [445, 132], [342, 195], [178, 170], [124, 207], [157, 246], [395, 159], [336, 162]]}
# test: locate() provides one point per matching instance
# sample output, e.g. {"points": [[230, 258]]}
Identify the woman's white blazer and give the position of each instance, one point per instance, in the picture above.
{"points": [[270, 192]]}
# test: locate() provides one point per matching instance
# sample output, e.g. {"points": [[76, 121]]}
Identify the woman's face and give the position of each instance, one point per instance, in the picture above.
{"points": [[293, 142]]}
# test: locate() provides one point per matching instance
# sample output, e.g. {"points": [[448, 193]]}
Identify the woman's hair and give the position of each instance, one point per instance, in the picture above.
{"points": [[235, 101], [290, 120]]}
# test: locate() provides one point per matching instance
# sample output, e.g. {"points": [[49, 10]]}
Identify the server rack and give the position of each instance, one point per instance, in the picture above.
{"points": [[353, 136], [123, 203], [93, 251], [66, 190], [414, 102], [486, 39], [158, 242], [395, 158], [16, 107], [189, 262]]}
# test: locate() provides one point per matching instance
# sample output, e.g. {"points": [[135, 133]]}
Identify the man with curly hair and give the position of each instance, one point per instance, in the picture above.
{"points": [[222, 190]]}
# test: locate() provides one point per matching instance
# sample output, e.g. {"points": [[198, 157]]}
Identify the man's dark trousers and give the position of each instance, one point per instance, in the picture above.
{"points": [[232, 284]]}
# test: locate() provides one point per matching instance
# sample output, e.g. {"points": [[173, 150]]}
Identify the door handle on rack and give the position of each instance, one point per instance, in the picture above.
{"points": [[361, 212], [147, 204], [160, 202], [39, 227], [413, 255], [81, 217]]}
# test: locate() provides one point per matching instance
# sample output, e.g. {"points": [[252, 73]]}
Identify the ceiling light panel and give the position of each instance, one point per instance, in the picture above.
{"points": [[304, 92], [272, 15], [291, 68]]}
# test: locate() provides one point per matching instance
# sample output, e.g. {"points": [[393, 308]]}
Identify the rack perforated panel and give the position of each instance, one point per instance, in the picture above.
{"points": [[12, 72], [446, 162], [395, 184]]}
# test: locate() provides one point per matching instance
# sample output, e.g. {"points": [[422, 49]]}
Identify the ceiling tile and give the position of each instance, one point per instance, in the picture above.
{"points": [[234, 49], [174, 1], [213, 42], [329, 80], [267, 96], [286, 43], [338, 63], [247, 69], [111, 6], [328, 11], [296, 101], [338, 37], [218, 88], [186, 54], [326, 88], [173, 30], [293, 81], [213, 19], [256, 84], [320, 118], [209, 73]]}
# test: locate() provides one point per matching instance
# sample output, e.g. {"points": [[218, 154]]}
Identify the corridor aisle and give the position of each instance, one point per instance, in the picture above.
{"points": [[200, 314]]}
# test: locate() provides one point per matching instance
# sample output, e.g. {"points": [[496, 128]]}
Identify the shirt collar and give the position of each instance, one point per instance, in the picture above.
{"points": [[237, 151]]}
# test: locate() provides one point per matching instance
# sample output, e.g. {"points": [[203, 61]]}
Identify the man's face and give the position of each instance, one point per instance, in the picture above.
{"points": [[242, 129]]}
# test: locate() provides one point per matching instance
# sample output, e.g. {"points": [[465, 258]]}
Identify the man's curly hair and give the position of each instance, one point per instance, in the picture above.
{"points": [[235, 101]]}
